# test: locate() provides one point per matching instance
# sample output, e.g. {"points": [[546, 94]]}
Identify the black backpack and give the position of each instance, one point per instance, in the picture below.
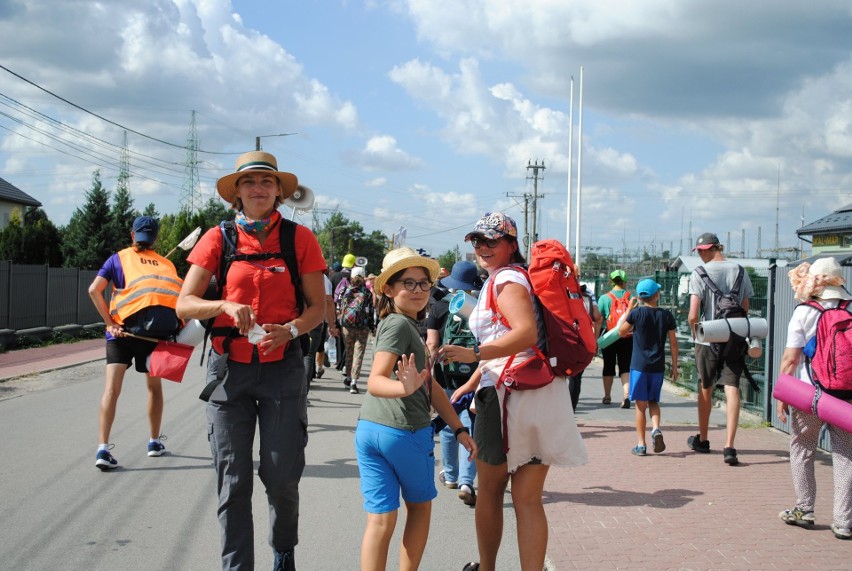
{"points": [[727, 306]]}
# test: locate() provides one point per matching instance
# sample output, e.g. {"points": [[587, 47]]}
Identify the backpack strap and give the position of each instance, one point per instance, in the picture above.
{"points": [[492, 294], [711, 285]]}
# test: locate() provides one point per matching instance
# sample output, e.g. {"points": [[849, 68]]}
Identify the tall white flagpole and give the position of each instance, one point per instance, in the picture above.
{"points": [[570, 167], [579, 170]]}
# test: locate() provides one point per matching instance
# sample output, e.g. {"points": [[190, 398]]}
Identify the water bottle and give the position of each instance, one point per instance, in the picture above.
{"points": [[331, 350]]}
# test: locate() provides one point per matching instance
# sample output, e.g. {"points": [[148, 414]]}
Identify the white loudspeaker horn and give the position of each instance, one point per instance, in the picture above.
{"points": [[361, 261], [302, 199]]}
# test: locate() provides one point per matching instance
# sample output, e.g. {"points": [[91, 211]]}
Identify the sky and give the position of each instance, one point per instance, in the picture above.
{"points": [[727, 116]]}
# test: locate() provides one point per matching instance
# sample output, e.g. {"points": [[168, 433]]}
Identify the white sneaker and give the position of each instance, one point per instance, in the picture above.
{"points": [[353, 388]]}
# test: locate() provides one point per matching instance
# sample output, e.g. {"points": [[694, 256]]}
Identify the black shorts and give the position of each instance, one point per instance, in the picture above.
{"points": [[488, 433], [619, 353], [708, 362], [123, 350]]}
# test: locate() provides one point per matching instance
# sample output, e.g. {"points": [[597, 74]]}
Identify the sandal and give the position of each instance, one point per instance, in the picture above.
{"points": [[606, 400], [472, 566]]}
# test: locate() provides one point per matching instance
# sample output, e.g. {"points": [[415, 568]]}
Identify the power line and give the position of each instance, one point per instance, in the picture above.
{"points": [[93, 114]]}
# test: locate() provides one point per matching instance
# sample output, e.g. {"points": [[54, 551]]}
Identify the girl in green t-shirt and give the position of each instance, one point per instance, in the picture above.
{"points": [[394, 439]]}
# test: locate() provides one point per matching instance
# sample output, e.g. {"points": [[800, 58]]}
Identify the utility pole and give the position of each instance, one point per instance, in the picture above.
{"points": [[535, 167], [526, 239]]}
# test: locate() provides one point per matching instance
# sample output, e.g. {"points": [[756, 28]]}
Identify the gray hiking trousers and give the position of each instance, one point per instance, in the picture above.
{"points": [[271, 397]]}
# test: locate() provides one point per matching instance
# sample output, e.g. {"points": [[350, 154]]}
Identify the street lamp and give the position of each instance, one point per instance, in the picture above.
{"points": [[259, 137]]}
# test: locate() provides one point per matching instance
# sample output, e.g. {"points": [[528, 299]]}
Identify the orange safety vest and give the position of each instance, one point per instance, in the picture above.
{"points": [[149, 279]]}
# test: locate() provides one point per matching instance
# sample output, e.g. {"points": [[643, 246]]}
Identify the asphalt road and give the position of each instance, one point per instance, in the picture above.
{"points": [[57, 511]]}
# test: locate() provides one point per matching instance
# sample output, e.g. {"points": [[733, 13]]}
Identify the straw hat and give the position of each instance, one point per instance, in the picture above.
{"points": [[256, 161], [401, 259]]}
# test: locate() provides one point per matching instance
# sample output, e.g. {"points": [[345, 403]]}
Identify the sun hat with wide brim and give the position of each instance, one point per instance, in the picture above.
{"points": [[831, 271], [401, 259], [254, 162]]}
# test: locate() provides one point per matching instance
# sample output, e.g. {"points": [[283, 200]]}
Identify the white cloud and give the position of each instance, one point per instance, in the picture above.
{"points": [[382, 153]]}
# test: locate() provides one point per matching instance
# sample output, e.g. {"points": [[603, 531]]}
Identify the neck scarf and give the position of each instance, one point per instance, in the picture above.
{"points": [[256, 226]]}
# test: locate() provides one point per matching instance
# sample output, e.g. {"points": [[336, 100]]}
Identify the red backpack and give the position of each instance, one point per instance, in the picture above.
{"points": [[829, 353], [617, 308], [570, 337]]}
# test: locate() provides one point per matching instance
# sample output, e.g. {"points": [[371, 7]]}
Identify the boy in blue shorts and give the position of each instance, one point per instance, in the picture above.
{"points": [[650, 326]]}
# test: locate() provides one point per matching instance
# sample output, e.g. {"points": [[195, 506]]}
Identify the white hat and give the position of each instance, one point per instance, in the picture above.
{"points": [[830, 268], [357, 271]]}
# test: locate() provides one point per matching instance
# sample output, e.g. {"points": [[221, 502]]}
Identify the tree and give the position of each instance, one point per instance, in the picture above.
{"points": [[339, 236], [151, 210], [450, 257], [31, 239], [86, 244], [122, 213]]}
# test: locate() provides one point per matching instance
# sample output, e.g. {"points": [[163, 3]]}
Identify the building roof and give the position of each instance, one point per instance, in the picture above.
{"points": [[685, 264], [839, 220], [10, 193]]}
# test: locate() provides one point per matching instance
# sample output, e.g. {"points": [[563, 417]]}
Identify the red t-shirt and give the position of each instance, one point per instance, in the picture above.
{"points": [[269, 293]]}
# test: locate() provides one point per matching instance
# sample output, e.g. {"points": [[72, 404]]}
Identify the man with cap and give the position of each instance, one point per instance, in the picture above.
{"points": [[713, 367], [613, 305], [145, 295], [256, 369]]}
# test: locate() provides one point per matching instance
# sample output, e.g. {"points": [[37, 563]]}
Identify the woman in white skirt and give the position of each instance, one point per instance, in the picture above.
{"points": [[541, 429]]}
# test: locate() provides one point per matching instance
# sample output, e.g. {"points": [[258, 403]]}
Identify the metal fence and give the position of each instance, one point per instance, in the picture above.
{"points": [[772, 300], [40, 296]]}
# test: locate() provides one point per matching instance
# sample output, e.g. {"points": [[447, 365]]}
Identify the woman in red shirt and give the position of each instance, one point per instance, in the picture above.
{"points": [[256, 363]]}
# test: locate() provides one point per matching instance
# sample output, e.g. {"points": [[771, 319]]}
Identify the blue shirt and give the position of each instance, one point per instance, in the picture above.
{"points": [[651, 326], [112, 271]]}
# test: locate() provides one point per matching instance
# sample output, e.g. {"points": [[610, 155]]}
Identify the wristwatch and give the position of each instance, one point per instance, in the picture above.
{"points": [[294, 331], [476, 351], [461, 429]]}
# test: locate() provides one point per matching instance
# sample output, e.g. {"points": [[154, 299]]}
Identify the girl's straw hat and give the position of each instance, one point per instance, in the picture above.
{"points": [[401, 259]]}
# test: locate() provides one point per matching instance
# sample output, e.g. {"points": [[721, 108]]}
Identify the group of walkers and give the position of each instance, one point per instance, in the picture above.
{"points": [[275, 302]]}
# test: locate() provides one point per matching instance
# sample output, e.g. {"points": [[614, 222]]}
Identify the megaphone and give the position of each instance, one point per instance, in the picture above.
{"points": [[361, 261], [302, 199]]}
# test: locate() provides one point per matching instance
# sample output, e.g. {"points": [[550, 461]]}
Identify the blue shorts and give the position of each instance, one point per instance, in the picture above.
{"points": [[391, 460], [645, 386]]}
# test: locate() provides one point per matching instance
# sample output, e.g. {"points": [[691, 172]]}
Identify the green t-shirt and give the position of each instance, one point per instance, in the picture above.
{"points": [[398, 334]]}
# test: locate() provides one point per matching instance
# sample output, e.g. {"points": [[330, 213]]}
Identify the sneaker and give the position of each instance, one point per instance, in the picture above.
{"points": [[284, 561], [639, 450], [319, 373], [156, 448], [625, 403], [798, 516], [105, 461], [443, 479], [347, 380], [841, 532], [467, 495], [353, 388], [698, 445], [659, 444], [730, 456]]}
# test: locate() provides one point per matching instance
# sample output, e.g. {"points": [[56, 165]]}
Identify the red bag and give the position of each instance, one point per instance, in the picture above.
{"points": [[169, 360], [533, 373]]}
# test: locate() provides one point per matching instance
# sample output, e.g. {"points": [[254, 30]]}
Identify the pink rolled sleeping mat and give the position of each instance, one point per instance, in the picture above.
{"points": [[801, 394]]}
